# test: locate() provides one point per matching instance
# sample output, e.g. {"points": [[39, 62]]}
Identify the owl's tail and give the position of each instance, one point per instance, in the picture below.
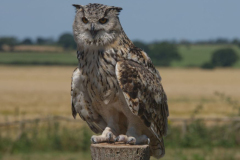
{"points": [[157, 148]]}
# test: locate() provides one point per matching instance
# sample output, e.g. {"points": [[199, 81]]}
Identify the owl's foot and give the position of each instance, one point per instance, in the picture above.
{"points": [[107, 136], [125, 139], [132, 140]]}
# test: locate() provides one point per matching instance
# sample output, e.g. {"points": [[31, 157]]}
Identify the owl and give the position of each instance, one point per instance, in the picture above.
{"points": [[115, 88]]}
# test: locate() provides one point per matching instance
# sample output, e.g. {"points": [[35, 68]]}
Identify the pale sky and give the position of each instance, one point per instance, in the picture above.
{"points": [[141, 19]]}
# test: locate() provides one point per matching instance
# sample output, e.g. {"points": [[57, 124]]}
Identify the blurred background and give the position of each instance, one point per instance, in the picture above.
{"points": [[195, 45]]}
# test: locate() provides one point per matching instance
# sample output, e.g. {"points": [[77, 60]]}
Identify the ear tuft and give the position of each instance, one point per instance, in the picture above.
{"points": [[77, 6], [117, 9]]}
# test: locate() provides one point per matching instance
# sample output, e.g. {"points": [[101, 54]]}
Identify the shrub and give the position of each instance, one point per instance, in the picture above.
{"points": [[142, 45], [207, 65], [224, 57], [163, 53], [66, 40]]}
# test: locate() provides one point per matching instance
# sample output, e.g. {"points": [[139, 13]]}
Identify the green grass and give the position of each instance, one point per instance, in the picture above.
{"points": [[54, 140], [196, 55], [56, 137], [171, 154], [48, 156], [40, 58], [192, 56]]}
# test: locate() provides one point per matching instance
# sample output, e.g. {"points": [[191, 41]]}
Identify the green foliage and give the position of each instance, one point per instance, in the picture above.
{"points": [[27, 41], [230, 101], [163, 53], [54, 137], [10, 41], [197, 55], [198, 135], [207, 65], [142, 45], [44, 41], [198, 157], [193, 56], [48, 138], [66, 40], [224, 57], [45, 58]]}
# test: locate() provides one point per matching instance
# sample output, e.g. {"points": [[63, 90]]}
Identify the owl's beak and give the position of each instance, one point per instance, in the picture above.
{"points": [[93, 31]]}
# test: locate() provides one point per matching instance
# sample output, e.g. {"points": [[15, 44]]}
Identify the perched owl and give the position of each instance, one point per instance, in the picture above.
{"points": [[115, 88]]}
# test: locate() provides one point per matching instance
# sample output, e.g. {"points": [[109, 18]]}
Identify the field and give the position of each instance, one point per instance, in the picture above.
{"points": [[33, 91], [192, 56], [215, 154], [28, 92], [38, 58], [196, 55]]}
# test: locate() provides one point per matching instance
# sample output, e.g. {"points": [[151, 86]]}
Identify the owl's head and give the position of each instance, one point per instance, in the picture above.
{"points": [[96, 24]]}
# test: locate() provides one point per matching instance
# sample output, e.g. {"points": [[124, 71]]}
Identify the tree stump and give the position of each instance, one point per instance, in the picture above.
{"points": [[119, 151]]}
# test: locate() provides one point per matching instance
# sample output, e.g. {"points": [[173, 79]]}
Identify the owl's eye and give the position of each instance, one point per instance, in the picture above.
{"points": [[85, 20], [103, 20]]}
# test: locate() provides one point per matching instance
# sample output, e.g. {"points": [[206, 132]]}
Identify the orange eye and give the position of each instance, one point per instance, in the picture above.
{"points": [[103, 20], [84, 19]]}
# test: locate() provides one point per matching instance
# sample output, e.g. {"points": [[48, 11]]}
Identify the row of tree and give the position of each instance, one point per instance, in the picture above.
{"points": [[67, 42], [161, 53], [234, 41], [225, 57]]}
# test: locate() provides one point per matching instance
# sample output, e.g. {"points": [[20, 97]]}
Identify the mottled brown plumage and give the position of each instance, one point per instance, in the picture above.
{"points": [[116, 89]]}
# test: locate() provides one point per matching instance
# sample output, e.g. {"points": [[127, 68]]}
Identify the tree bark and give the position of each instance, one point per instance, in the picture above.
{"points": [[119, 151]]}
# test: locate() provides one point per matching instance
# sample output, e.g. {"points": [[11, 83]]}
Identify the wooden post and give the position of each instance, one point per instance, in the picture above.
{"points": [[119, 151]]}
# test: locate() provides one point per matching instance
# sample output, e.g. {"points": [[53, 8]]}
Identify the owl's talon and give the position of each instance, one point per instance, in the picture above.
{"points": [[109, 136], [116, 139], [131, 140], [148, 141], [93, 141]]}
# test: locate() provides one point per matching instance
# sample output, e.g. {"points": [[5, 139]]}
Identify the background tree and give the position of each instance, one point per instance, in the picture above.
{"points": [[66, 40], [163, 53], [40, 40], [44, 41], [141, 45], [27, 41], [1, 45], [222, 41], [224, 57], [10, 41], [207, 65]]}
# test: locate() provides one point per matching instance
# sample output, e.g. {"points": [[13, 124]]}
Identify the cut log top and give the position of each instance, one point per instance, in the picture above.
{"points": [[119, 151]]}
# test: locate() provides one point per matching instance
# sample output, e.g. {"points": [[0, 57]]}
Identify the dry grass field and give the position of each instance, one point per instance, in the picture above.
{"points": [[38, 91], [28, 92]]}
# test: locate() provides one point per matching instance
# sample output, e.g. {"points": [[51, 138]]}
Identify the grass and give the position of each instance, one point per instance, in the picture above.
{"points": [[172, 154], [196, 55], [41, 58], [193, 56], [54, 140], [36, 91]]}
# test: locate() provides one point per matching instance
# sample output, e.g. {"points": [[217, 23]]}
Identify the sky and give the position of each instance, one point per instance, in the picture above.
{"points": [[144, 20]]}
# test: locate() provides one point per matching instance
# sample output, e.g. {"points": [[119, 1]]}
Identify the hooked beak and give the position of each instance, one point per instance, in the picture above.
{"points": [[93, 31]]}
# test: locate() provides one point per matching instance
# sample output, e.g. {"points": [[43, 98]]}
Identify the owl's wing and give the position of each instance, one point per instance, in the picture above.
{"points": [[81, 103], [144, 95]]}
